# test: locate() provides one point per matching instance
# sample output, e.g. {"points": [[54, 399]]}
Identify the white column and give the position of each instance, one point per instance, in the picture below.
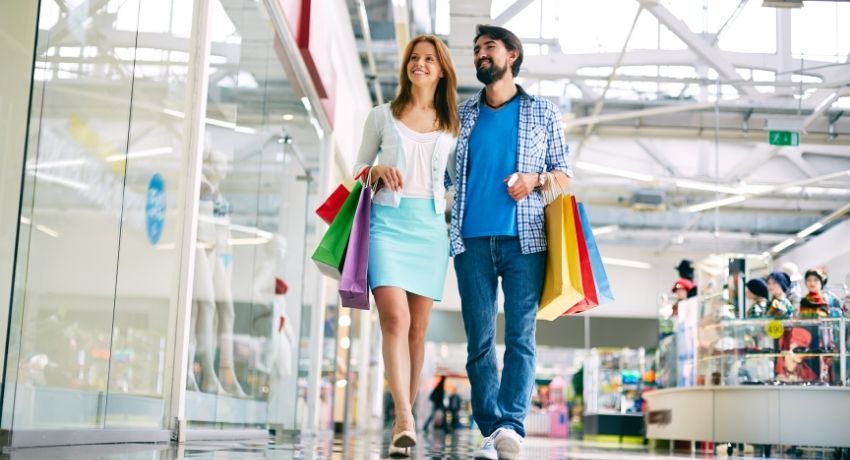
{"points": [[783, 43], [191, 162]]}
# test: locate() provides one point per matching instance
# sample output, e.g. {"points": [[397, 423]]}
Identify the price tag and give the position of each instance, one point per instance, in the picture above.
{"points": [[775, 329]]}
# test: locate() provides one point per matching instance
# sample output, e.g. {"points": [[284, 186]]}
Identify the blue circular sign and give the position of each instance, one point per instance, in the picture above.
{"points": [[155, 207]]}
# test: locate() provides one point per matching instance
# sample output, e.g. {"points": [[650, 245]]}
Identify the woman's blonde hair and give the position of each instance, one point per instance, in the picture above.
{"points": [[445, 98]]}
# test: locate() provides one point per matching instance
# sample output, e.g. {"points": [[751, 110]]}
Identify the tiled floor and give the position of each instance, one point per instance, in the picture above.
{"points": [[356, 447]]}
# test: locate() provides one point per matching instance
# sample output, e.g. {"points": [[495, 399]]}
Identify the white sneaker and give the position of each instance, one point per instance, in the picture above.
{"points": [[508, 443], [487, 450]]}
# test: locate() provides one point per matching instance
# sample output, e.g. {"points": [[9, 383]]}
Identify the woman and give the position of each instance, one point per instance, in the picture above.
{"points": [[780, 307], [413, 138]]}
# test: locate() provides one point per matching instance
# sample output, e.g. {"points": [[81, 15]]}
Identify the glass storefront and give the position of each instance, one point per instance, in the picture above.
{"points": [[259, 157], [106, 194], [94, 305], [18, 20]]}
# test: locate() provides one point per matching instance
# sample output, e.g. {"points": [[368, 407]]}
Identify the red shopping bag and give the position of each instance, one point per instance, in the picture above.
{"points": [[330, 208], [590, 299]]}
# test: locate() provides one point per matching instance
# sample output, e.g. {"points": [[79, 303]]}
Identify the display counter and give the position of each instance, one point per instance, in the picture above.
{"points": [[779, 414]]}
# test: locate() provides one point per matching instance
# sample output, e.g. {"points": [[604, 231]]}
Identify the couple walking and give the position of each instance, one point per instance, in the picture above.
{"points": [[498, 150]]}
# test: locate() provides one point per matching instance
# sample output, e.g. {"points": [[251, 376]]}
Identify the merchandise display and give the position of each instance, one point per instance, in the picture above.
{"points": [[756, 358], [613, 392]]}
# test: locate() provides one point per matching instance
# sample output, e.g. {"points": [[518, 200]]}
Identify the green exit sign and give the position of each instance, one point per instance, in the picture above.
{"points": [[784, 138]]}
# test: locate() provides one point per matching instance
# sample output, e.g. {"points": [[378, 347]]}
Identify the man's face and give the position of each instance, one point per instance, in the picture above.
{"points": [[492, 59]]}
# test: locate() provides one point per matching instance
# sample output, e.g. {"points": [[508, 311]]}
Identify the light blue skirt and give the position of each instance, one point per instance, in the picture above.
{"points": [[409, 247]]}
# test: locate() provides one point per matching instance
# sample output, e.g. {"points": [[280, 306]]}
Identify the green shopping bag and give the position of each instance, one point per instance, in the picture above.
{"points": [[330, 255]]}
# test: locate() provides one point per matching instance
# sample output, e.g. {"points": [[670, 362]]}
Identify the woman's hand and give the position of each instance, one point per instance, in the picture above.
{"points": [[391, 177]]}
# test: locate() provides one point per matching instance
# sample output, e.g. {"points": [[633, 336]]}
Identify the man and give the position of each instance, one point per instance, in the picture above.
{"points": [[511, 145]]}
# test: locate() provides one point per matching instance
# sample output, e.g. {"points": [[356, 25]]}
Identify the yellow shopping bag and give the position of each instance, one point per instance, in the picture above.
{"points": [[562, 285]]}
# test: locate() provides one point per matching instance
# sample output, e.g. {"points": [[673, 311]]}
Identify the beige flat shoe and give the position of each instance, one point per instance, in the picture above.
{"points": [[405, 438], [399, 452]]}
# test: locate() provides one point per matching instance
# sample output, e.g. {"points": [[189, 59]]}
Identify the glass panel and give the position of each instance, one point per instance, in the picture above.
{"points": [[65, 289], [18, 21], [140, 367], [247, 309]]}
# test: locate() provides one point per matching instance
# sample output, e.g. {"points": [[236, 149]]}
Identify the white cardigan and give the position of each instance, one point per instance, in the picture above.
{"points": [[382, 140]]}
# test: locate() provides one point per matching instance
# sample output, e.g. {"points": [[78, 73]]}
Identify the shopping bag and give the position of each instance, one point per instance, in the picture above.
{"points": [[590, 299], [600, 278], [330, 254], [562, 286], [330, 208], [353, 288]]}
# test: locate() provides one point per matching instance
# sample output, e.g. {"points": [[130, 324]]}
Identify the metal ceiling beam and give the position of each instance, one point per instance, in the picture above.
{"points": [[706, 52], [658, 158], [804, 166], [761, 154], [514, 9]]}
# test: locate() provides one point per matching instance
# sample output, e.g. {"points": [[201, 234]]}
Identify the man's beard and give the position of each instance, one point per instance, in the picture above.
{"points": [[490, 74]]}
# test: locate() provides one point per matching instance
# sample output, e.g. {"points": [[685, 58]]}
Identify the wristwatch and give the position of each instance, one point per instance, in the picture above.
{"points": [[541, 180]]}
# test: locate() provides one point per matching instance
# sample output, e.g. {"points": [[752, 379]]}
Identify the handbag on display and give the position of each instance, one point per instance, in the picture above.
{"points": [[353, 285], [330, 255]]}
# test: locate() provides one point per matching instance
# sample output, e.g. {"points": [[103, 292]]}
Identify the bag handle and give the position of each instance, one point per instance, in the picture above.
{"points": [[548, 193]]}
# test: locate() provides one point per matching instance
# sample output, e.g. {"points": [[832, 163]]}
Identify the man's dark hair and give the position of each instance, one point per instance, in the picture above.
{"points": [[510, 40]]}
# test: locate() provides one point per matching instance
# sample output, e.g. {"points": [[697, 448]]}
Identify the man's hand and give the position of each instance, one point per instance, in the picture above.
{"points": [[524, 185]]}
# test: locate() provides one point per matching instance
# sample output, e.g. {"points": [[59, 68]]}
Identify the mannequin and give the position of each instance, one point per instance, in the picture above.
{"points": [[213, 277], [757, 294], [280, 357]]}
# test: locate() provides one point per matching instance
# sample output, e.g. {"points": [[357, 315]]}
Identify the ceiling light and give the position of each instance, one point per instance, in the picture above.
{"points": [[289, 117], [139, 154], [605, 230], [307, 105], [247, 241], [344, 321], [47, 230], [810, 229], [61, 181], [695, 185], [55, 164], [781, 246], [714, 204], [626, 263], [614, 171]]}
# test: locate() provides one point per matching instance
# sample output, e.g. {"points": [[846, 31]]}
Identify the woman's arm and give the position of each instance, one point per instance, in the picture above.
{"points": [[370, 144]]}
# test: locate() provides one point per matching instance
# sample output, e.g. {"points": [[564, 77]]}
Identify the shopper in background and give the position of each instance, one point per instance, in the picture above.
{"points": [[413, 138], [818, 303], [682, 288], [757, 295], [780, 307], [511, 146], [686, 271], [438, 404], [794, 292]]}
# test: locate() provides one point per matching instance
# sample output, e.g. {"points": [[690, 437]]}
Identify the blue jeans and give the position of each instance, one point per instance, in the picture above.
{"points": [[498, 404]]}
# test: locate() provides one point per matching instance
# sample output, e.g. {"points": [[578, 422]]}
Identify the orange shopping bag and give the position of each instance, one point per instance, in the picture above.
{"points": [[562, 284]]}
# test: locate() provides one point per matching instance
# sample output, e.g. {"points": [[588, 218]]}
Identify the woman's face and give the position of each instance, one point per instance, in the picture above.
{"points": [[813, 284], [774, 288], [423, 67]]}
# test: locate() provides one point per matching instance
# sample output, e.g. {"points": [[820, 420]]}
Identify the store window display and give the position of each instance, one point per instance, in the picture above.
{"points": [[213, 296]]}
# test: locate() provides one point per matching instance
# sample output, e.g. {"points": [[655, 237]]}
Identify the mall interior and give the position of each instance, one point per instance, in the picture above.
{"points": [[710, 142]]}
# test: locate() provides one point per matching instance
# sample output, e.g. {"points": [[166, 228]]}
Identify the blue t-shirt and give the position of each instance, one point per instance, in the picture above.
{"points": [[490, 211]]}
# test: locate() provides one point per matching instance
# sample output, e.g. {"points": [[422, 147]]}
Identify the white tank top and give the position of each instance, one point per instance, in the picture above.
{"points": [[418, 151]]}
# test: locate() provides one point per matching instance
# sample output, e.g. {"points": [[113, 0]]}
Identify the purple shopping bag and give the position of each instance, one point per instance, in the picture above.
{"points": [[353, 287]]}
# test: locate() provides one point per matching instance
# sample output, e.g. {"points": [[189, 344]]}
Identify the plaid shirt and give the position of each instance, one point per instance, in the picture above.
{"points": [[541, 148]]}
